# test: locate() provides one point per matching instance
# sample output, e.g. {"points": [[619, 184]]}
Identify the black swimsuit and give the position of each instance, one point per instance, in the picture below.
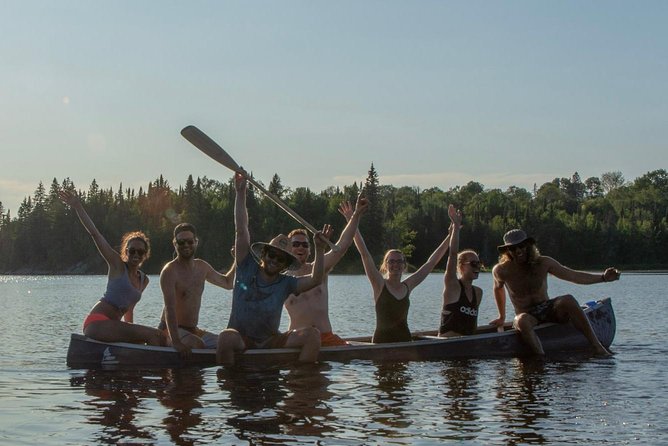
{"points": [[544, 312], [391, 318], [461, 316]]}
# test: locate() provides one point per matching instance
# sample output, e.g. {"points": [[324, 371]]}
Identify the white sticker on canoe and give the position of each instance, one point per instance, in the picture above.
{"points": [[108, 358]]}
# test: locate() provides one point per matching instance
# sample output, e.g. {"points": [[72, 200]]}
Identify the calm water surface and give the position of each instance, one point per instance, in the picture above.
{"points": [[577, 400]]}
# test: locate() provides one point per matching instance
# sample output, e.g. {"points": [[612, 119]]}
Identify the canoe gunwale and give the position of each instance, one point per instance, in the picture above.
{"points": [[84, 352]]}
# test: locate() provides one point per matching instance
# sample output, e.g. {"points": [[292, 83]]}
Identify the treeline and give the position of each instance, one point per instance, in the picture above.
{"points": [[585, 224]]}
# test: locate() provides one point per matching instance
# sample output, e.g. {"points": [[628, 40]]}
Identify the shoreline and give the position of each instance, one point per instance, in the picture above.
{"points": [[659, 271]]}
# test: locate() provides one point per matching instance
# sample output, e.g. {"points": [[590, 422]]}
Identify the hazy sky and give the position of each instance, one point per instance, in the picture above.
{"points": [[434, 93]]}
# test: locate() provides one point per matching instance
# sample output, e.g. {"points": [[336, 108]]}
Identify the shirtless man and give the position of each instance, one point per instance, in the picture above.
{"points": [[182, 283], [523, 272], [311, 308]]}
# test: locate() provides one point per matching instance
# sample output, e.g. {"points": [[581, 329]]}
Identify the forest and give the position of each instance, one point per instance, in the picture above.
{"points": [[601, 221]]}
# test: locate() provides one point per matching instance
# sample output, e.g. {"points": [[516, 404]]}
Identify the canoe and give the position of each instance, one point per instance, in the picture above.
{"points": [[487, 342]]}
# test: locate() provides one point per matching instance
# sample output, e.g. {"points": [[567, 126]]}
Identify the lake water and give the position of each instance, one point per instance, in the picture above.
{"points": [[576, 400]]}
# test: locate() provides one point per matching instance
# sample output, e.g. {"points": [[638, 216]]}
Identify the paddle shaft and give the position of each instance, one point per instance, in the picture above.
{"points": [[207, 145]]}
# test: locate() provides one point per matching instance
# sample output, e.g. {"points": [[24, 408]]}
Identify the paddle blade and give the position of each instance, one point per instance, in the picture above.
{"points": [[207, 145]]}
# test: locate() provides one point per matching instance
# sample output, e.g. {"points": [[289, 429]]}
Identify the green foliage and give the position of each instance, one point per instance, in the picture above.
{"points": [[595, 223]]}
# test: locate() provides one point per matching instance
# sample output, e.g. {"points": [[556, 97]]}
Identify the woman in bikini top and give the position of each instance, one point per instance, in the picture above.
{"points": [[110, 319]]}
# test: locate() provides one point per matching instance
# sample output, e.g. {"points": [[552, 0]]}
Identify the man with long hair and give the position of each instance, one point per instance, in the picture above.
{"points": [[523, 271]]}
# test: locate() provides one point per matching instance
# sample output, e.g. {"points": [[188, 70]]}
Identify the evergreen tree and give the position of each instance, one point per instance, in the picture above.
{"points": [[275, 186], [573, 221], [371, 226]]}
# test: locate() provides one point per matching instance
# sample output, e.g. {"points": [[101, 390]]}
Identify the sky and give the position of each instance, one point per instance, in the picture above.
{"points": [[433, 93]]}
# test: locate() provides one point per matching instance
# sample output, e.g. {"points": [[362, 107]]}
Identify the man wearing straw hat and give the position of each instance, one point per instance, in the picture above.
{"points": [[523, 272], [261, 288]]}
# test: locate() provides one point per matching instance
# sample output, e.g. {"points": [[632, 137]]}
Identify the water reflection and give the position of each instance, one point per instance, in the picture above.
{"points": [[278, 402], [460, 409], [308, 402], [121, 400], [181, 396], [115, 404], [523, 400], [253, 395], [392, 396]]}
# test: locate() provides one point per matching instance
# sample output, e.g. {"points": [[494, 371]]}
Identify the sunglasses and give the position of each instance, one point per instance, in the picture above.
{"points": [[133, 251], [519, 246], [183, 241], [473, 263], [395, 261], [297, 244], [279, 257]]}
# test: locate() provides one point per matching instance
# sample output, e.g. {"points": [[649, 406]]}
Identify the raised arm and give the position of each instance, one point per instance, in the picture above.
{"points": [[110, 255], [305, 283], [499, 297], [451, 284], [418, 276], [352, 216], [375, 277], [225, 280], [580, 277], [242, 236]]}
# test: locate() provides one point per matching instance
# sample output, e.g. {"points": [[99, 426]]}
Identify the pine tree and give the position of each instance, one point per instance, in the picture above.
{"points": [[371, 226]]}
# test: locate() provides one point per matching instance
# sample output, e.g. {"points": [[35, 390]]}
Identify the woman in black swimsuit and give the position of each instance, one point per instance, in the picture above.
{"points": [[390, 292]]}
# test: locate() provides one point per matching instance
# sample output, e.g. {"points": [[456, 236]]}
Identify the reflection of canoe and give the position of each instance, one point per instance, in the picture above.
{"points": [[486, 343]]}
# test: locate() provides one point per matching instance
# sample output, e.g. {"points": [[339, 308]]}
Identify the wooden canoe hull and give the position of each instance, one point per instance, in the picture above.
{"points": [[84, 352]]}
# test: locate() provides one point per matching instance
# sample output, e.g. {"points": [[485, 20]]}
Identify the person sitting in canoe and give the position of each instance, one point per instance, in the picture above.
{"points": [[461, 299], [261, 288], [390, 292], [523, 271], [182, 284], [111, 318], [311, 308]]}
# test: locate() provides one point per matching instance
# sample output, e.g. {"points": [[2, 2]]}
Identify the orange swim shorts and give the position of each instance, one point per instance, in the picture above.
{"points": [[331, 340]]}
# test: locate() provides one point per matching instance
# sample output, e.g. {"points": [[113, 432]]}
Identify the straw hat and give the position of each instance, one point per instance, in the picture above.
{"points": [[280, 242], [514, 237]]}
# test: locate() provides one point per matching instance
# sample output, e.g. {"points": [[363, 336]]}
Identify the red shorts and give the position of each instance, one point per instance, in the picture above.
{"points": [[95, 317], [331, 340]]}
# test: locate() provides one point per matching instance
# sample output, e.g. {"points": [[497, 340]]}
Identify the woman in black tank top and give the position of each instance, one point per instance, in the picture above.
{"points": [[461, 298]]}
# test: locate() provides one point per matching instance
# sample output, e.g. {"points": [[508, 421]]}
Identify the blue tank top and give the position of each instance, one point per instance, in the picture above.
{"points": [[121, 293]]}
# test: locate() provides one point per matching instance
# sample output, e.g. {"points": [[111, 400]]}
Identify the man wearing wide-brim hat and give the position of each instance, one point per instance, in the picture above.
{"points": [[261, 288], [523, 271]]}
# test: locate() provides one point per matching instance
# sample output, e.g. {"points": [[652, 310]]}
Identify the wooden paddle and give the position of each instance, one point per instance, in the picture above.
{"points": [[207, 145]]}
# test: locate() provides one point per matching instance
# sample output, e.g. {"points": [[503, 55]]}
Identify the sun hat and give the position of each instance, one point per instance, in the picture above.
{"points": [[280, 242], [514, 237]]}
